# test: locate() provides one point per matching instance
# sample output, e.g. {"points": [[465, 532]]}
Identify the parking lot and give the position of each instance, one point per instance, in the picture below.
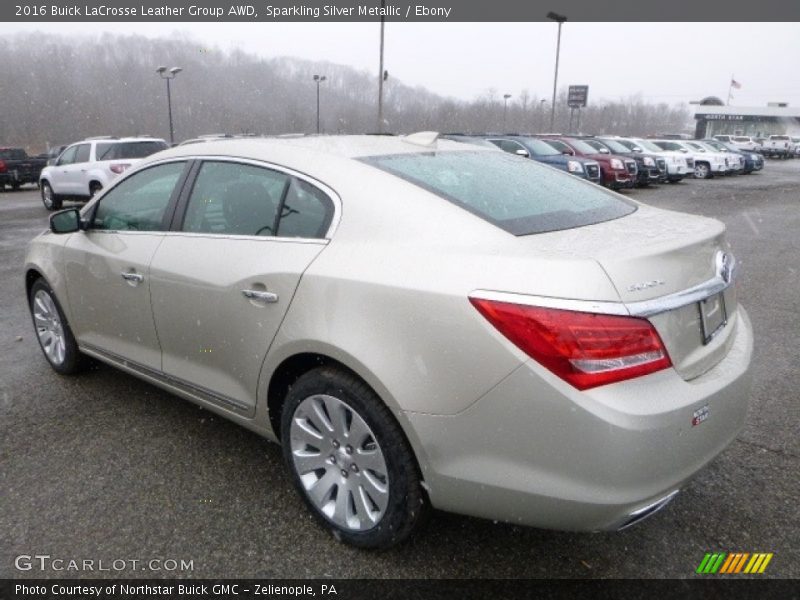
{"points": [[105, 466]]}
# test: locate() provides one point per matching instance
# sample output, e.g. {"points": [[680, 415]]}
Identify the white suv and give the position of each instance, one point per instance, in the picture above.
{"points": [[85, 168]]}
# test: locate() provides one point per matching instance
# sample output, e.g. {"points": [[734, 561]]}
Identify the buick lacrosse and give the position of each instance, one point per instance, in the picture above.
{"points": [[419, 324]]}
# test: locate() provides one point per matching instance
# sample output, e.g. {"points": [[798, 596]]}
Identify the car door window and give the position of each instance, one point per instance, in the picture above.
{"points": [[306, 212], [82, 153], [235, 199], [139, 203], [68, 156]]}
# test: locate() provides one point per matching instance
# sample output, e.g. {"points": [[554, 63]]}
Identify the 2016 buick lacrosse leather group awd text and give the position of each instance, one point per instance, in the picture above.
{"points": [[419, 323]]}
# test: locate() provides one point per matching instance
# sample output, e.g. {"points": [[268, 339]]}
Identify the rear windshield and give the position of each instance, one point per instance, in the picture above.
{"points": [[121, 150], [513, 193], [13, 154]]}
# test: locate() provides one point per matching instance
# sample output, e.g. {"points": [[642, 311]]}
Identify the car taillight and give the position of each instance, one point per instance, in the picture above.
{"points": [[2, 166], [584, 349], [119, 168]]}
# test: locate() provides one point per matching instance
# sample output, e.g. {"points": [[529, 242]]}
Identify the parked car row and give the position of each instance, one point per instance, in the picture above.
{"points": [[775, 146], [619, 163]]}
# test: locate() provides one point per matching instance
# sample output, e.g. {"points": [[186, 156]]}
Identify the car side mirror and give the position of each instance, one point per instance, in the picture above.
{"points": [[522, 152], [637, 149], [567, 152], [605, 151], [66, 221]]}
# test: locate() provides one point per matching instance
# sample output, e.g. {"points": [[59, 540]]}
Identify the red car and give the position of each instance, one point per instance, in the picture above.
{"points": [[618, 172]]}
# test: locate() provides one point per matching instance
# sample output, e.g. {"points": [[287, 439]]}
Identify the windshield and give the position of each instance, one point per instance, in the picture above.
{"points": [[560, 146], [520, 196], [648, 145], [582, 147], [122, 150], [673, 146], [739, 138], [696, 146], [597, 146], [617, 147], [540, 148]]}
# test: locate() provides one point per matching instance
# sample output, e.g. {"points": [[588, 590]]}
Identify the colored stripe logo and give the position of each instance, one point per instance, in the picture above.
{"points": [[734, 562]]}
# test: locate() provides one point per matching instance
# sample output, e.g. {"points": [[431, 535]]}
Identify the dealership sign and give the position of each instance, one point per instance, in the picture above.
{"points": [[577, 96]]}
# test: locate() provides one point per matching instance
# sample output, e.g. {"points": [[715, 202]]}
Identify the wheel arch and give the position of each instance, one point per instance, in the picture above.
{"points": [[292, 367]]}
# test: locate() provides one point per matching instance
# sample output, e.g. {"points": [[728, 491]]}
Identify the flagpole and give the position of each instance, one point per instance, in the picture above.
{"points": [[730, 89]]}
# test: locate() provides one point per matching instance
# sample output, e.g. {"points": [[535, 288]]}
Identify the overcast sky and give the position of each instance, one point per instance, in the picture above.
{"points": [[670, 62]]}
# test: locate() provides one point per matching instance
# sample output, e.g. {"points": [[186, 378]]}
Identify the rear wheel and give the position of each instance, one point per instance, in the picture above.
{"points": [[50, 199], [52, 330], [350, 461]]}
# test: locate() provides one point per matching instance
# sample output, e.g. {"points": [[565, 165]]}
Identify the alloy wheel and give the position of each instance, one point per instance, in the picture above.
{"points": [[339, 462], [49, 327]]}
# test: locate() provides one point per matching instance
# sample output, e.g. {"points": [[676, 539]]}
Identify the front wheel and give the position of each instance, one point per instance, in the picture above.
{"points": [[702, 171], [52, 330], [50, 199], [350, 461]]}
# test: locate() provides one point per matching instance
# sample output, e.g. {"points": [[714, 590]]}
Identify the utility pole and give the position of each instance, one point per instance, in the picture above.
{"points": [[560, 19]]}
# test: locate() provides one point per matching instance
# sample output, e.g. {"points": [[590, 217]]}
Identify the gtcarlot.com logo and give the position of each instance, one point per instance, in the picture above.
{"points": [[734, 562]]}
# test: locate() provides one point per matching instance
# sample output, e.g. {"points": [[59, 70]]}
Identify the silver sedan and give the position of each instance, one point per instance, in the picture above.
{"points": [[419, 323]]}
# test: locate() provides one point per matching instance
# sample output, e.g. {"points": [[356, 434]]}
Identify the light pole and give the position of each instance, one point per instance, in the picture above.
{"points": [[505, 110], [169, 74], [319, 79], [560, 19], [381, 74]]}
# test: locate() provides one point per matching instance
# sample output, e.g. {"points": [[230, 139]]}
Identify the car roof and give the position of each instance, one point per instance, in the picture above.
{"points": [[340, 146]]}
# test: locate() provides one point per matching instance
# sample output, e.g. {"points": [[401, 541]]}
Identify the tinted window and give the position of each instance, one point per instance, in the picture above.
{"points": [[559, 146], [122, 150], [68, 157], [616, 146], [306, 212], [582, 147], [13, 154], [82, 153], [237, 199], [139, 202], [231, 198], [519, 196]]}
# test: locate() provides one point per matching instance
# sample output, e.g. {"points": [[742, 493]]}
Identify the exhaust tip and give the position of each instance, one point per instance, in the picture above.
{"points": [[642, 513]]}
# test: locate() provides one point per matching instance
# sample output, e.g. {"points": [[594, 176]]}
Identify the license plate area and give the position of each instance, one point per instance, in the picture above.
{"points": [[713, 316]]}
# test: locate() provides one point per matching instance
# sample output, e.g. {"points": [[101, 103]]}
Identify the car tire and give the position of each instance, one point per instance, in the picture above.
{"points": [[338, 434], [94, 187], [53, 331], [702, 171], [50, 199]]}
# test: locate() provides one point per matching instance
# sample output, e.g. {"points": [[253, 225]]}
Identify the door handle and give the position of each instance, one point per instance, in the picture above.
{"points": [[132, 277], [268, 297]]}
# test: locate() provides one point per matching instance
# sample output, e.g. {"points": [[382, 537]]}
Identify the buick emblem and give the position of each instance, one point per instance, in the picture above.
{"points": [[725, 265]]}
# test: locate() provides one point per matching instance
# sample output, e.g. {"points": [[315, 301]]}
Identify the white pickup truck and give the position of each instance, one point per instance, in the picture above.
{"points": [[778, 145]]}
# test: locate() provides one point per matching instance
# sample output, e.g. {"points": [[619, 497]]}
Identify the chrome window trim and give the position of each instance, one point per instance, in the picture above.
{"points": [[643, 308], [325, 189]]}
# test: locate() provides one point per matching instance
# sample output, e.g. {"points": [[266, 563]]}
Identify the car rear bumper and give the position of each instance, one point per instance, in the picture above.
{"points": [[536, 451]]}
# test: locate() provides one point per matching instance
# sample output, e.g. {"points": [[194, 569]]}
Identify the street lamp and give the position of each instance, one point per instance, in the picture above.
{"points": [[318, 79], [382, 73], [505, 110], [169, 74], [560, 19]]}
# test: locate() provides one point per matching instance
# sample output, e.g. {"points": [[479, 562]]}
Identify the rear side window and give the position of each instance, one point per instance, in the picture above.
{"points": [[517, 195], [123, 150], [237, 199], [139, 203]]}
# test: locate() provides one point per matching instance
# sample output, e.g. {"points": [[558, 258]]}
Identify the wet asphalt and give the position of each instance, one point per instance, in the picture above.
{"points": [[107, 467]]}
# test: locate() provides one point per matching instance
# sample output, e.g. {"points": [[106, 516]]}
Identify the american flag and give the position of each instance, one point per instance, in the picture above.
{"points": [[735, 84]]}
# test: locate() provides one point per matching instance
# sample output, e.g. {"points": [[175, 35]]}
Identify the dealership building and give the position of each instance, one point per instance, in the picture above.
{"points": [[756, 121]]}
